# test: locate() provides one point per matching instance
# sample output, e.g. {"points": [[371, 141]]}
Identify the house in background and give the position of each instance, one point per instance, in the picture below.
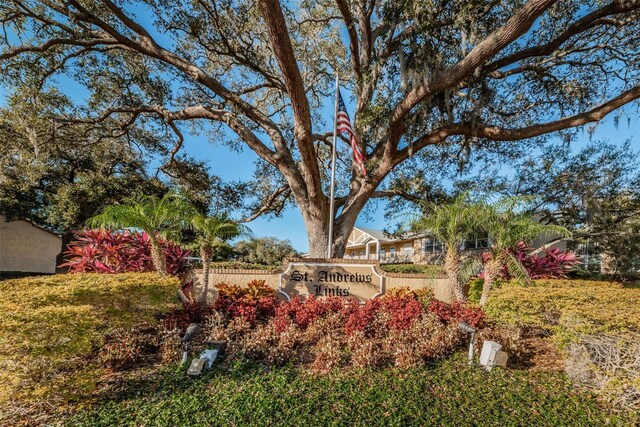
{"points": [[28, 248], [367, 243]]}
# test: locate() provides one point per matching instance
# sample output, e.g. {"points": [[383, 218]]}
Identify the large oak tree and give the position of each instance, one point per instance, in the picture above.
{"points": [[424, 75]]}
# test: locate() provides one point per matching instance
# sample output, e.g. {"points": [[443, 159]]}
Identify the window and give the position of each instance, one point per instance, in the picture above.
{"points": [[430, 245], [382, 254], [477, 242], [392, 251], [407, 250]]}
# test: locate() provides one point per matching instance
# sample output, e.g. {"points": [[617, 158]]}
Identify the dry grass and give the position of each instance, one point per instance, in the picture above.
{"points": [[609, 365]]}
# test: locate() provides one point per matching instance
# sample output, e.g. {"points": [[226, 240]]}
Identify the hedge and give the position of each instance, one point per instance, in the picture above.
{"points": [[413, 268], [239, 265]]}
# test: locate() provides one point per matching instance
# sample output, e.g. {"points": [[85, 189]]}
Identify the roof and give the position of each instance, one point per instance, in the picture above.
{"points": [[376, 234], [383, 237], [33, 224]]}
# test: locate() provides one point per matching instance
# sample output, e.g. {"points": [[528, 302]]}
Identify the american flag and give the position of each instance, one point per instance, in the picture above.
{"points": [[344, 125]]}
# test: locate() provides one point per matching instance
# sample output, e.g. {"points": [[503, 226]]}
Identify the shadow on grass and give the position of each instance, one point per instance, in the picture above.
{"points": [[167, 380]]}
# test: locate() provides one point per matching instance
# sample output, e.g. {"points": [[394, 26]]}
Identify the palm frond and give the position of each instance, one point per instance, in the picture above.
{"points": [[515, 268], [509, 221], [469, 268], [216, 228], [450, 223], [165, 217]]}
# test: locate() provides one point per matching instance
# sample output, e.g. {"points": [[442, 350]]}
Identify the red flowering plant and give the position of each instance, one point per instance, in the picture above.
{"points": [[104, 251]]}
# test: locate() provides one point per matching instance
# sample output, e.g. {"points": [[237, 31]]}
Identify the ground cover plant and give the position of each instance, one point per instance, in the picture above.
{"points": [[445, 393], [595, 324], [53, 327]]}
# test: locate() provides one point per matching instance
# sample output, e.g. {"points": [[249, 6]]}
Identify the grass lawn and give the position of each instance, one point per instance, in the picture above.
{"points": [[448, 393]]}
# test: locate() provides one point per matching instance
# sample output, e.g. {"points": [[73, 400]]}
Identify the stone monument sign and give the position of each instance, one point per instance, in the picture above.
{"points": [[323, 278]]}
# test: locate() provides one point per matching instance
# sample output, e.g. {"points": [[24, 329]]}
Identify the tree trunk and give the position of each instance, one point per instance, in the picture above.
{"points": [[317, 226], [452, 267], [607, 264], [205, 256], [491, 272], [158, 257], [318, 235]]}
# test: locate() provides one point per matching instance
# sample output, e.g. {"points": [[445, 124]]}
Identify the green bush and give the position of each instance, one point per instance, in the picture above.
{"points": [[413, 268], [49, 325], [582, 306], [238, 265]]}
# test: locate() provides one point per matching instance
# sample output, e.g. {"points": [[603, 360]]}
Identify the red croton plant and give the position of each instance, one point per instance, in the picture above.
{"points": [[103, 251], [553, 263], [403, 328]]}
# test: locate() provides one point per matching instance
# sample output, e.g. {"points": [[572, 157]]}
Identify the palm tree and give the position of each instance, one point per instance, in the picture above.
{"points": [[451, 224], [212, 232], [161, 218], [507, 223]]}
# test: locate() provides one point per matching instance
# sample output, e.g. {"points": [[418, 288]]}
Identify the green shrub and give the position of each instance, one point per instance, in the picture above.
{"points": [[413, 268], [583, 306], [238, 265], [49, 325]]}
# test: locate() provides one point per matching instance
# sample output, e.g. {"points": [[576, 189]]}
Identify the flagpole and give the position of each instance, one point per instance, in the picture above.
{"points": [[333, 173]]}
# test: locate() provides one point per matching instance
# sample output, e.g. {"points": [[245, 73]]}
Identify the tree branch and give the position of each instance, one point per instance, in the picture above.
{"points": [[395, 193], [504, 134], [353, 38], [585, 23], [517, 25], [281, 193], [283, 51]]}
